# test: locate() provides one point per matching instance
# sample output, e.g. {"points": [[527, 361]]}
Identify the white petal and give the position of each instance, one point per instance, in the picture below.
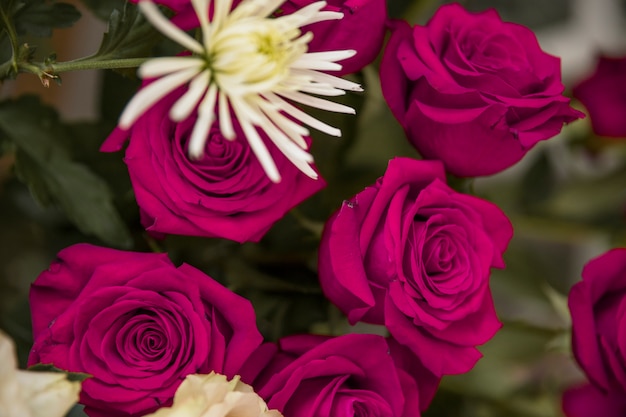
{"points": [[154, 16], [307, 13], [329, 55], [294, 131], [321, 89], [152, 93], [316, 65], [157, 67], [185, 105], [316, 102], [323, 16], [226, 124], [220, 12], [259, 148], [287, 147], [242, 108], [302, 116], [329, 79], [201, 7], [256, 8], [206, 116]]}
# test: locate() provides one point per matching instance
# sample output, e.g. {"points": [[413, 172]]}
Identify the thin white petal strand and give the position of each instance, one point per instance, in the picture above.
{"points": [[185, 105], [286, 123], [302, 116], [226, 124], [318, 103], [287, 147], [300, 163], [157, 67], [299, 157], [154, 16], [329, 55], [316, 65], [220, 13], [329, 79], [294, 131], [309, 12], [152, 93], [198, 138], [324, 16], [322, 90], [206, 116], [242, 108], [201, 7], [259, 148]]}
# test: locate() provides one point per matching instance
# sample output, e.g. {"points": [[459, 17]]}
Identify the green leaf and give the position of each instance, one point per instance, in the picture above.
{"points": [[39, 17], [539, 183], [103, 8], [589, 200], [53, 178], [559, 303], [77, 411], [129, 35], [71, 376]]}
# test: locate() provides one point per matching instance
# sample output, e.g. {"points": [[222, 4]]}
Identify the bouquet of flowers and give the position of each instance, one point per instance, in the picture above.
{"points": [[310, 208]]}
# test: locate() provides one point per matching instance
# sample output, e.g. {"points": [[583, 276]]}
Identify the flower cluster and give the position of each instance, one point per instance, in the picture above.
{"points": [[219, 148]]}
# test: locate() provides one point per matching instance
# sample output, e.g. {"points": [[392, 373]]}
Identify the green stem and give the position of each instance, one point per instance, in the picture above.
{"points": [[87, 63], [10, 30], [5, 69], [46, 72]]}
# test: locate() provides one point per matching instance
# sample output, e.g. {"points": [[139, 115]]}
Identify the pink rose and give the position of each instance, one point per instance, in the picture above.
{"points": [[598, 307], [345, 376], [225, 194], [184, 14], [411, 253], [473, 91], [604, 96], [138, 324]]}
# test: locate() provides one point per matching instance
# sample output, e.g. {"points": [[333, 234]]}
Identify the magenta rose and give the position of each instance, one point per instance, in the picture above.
{"points": [[604, 96], [471, 90], [413, 254], [184, 14], [225, 194], [347, 376], [598, 307], [137, 324]]}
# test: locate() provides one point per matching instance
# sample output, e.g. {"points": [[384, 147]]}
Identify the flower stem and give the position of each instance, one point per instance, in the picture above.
{"points": [[10, 30], [48, 71], [86, 63]]}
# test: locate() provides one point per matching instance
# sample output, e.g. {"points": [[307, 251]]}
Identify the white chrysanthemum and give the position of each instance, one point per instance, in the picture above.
{"points": [[253, 63], [32, 394], [213, 395]]}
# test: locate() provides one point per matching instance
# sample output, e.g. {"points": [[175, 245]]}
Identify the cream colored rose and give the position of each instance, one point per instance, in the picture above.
{"points": [[32, 394], [213, 395]]}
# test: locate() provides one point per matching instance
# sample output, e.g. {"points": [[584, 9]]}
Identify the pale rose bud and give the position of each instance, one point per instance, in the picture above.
{"points": [[213, 395], [32, 394]]}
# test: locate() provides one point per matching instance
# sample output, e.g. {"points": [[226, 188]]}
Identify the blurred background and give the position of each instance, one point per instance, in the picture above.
{"points": [[566, 199]]}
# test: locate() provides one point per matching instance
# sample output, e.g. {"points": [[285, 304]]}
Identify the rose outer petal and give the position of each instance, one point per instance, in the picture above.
{"points": [[588, 401]]}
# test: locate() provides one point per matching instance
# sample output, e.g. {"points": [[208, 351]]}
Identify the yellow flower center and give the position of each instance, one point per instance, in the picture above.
{"points": [[254, 56]]}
